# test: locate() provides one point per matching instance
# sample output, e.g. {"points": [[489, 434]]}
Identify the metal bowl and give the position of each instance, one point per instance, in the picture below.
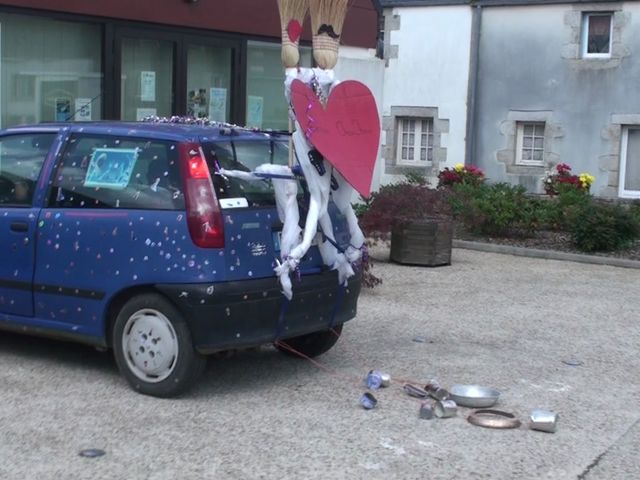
{"points": [[473, 396]]}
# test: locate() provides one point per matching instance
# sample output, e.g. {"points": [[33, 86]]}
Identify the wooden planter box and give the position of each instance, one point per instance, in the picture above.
{"points": [[424, 242]]}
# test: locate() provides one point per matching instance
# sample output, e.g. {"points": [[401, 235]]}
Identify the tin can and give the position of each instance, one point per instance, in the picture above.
{"points": [[386, 379], [440, 394], [414, 391], [435, 390], [445, 408], [433, 385], [543, 420], [378, 379], [373, 380], [368, 401], [426, 411]]}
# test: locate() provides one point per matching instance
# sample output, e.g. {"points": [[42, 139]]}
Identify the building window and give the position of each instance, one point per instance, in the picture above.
{"points": [[415, 141], [266, 107], [629, 186], [412, 139], [530, 143], [50, 70], [596, 35]]}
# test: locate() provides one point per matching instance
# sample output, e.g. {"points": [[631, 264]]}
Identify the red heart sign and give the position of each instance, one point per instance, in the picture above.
{"points": [[294, 30], [346, 132]]}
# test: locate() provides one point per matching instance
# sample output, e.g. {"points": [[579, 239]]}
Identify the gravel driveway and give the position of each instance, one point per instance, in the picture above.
{"points": [[498, 320]]}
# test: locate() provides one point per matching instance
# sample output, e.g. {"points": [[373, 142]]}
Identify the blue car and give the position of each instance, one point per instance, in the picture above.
{"points": [[121, 236]]}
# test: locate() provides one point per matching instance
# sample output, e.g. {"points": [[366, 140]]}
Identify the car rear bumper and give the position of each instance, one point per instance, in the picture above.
{"points": [[247, 313]]}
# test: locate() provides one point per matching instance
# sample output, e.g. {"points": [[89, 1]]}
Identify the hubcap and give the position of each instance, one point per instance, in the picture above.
{"points": [[150, 345]]}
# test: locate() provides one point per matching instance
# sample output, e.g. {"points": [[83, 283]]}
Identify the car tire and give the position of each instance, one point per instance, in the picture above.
{"points": [[153, 347], [312, 344]]}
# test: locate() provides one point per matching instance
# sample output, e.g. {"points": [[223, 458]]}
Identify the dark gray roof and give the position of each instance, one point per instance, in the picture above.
{"points": [[487, 3]]}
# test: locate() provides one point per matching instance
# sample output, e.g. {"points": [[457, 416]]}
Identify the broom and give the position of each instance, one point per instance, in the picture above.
{"points": [[292, 15], [327, 18]]}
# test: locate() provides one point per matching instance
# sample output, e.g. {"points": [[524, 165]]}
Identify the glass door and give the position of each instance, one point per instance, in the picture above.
{"points": [[165, 72], [266, 106], [209, 82], [147, 77]]}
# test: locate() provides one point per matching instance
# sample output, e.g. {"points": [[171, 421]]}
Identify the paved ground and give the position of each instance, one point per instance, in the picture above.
{"points": [[492, 319]]}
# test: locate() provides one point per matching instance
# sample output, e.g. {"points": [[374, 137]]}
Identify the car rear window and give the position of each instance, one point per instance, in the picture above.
{"points": [[246, 156], [100, 171]]}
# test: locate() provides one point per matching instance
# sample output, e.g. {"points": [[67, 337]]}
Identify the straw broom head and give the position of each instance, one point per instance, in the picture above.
{"points": [[327, 18], [292, 15]]}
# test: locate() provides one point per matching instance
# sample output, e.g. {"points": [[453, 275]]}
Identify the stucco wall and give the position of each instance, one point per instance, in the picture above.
{"points": [[427, 51], [530, 66], [362, 64]]}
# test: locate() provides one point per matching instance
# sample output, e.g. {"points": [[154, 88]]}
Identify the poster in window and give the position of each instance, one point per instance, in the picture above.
{"points": [[254, 111], [142, 113], [197, 103], [83, 110], [218, 104], [148, 86], [63, 109], [111, 167]]}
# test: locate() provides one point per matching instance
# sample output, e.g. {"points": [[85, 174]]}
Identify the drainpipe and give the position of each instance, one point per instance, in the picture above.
{"points": [[472, 87], [380, 33]]}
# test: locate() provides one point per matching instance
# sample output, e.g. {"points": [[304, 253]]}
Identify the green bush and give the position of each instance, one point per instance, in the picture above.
{"points": [[397, 204], [402, 203], [416, 178], [361, 207], [498, 209], [557, 213], [602, 227], [634, 210]]}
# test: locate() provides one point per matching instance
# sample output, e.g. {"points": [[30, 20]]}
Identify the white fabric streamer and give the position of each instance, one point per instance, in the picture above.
{"points": [[286, 192], [325, 78], [320, 189], [296, 242], [241, 174], [287, 203], [342, 198]]}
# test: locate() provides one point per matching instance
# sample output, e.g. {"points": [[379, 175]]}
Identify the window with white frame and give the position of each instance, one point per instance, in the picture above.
{"points": [[530, 143], [629, 185], [415, 141], [596, 35]]}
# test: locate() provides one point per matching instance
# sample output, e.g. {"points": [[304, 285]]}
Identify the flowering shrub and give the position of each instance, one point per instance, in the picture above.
{"points": [[401, 203], [467, 174], [586, 180], [398, 204], [562, 180]]}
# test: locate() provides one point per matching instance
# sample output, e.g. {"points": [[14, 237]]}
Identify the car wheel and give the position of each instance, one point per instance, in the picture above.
{"points": [[312, 344], [153, 347]]}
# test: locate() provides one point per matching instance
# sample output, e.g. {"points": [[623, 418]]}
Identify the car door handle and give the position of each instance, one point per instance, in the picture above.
{"points": [[19, 227]]}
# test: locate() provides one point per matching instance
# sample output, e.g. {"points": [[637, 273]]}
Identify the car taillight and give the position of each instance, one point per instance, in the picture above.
{"points": [[204, 218]]}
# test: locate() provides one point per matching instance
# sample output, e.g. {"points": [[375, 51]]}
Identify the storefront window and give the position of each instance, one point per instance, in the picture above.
{"points": [[266, 105], [49, 70], [209, 82], [147, 78]]}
